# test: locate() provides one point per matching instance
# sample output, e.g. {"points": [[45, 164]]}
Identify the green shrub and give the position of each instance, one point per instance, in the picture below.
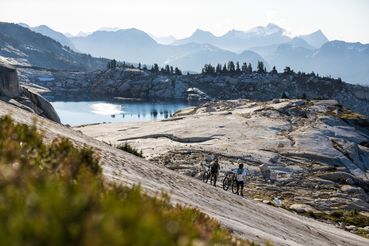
{"points": [[284, 96], [350, 217], [54, 194], [130, 149], [353, 217]]}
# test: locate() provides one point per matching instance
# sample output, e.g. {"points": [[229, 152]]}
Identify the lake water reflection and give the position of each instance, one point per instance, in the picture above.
{"points": [[87, 112]]}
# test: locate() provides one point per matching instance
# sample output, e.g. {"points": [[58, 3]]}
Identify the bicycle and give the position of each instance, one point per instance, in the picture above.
{"points": [[230, 181], [207, 175]]}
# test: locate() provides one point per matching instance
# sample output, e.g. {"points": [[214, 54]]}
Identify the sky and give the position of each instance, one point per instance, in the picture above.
{"points": [[339, 19]]}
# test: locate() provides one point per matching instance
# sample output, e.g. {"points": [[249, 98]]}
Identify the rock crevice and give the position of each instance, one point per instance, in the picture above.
{"points": [[174, 138]]}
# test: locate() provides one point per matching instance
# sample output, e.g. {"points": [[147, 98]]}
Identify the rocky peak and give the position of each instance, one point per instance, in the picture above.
{"points": [[315, 39]]}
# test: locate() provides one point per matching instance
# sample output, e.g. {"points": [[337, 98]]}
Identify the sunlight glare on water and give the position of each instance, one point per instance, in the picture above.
{"points": [[106, 109]]}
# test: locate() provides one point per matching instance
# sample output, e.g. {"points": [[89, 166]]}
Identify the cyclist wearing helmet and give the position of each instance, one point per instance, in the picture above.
{"points": [[241, 173]]}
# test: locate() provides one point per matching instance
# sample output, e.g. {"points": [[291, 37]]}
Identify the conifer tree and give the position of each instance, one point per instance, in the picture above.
{"points": [[261, 68], [167, 69], [112, 64], [288, 70], [249, 68], [231, 67], [238, 70], [177, 71], [224, 70], [274, 70], [155, 68], [218, 70], [244, 67]]}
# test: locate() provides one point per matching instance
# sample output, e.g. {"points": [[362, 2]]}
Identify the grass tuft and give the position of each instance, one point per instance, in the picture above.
{"points": [[130, 149]]}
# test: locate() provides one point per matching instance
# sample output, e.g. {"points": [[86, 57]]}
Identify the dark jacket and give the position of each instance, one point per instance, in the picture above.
{"points": [[215, 167]]}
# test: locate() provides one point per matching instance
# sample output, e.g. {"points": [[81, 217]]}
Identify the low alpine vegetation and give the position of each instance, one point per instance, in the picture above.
{"points": [[54, 194], [130, 149]]}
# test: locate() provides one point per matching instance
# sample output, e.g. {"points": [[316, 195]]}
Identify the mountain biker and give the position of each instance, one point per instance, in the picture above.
{"points": [[214, 170], [241, 173]]}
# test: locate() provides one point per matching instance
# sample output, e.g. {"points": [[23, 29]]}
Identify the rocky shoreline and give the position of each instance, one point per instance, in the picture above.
{"points": [[138, 83]]}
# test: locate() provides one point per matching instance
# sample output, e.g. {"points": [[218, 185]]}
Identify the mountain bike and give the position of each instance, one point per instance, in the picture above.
{"points": [[230, 181], [207, 175]]}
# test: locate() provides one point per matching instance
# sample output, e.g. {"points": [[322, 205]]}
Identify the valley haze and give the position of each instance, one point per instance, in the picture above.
{"points": [[271, 44]]}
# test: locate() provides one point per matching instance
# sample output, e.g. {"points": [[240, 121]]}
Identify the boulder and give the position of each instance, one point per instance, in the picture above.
{"points": [[302, 208], [196, 95], [351, 228], [9, 85], [39, 102]]}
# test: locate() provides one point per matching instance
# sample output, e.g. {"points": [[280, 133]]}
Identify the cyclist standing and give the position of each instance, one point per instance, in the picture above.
{"points": [[214, 170], [241, 173]]}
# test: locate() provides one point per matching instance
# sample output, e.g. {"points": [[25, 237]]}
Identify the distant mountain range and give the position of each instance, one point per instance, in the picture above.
{"points": [[136, 46], [57, 36], [348, 61], [270, 44], [238, 41], [21, 46]]}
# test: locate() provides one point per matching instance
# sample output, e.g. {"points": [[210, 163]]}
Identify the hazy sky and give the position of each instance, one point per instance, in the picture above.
{"points": [[339, 19]]}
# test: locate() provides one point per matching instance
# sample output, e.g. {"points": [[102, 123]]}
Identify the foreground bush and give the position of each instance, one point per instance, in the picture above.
{"points": [[54, 194]]}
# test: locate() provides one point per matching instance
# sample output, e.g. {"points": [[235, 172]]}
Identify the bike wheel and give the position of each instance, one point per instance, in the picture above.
{"points": [[205, 176], [234, 186], [226, 183]]}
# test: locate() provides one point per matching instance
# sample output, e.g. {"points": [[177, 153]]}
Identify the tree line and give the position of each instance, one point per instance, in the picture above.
{"points": [[229, 68], [233, 68], [167, 70]]}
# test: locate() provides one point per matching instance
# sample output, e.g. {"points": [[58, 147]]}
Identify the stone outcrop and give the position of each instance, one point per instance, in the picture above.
{"points": [[316, 150], [13, 93], [246, 218], [9, 85], [128, 82], [39, 104], [195, 95]]}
